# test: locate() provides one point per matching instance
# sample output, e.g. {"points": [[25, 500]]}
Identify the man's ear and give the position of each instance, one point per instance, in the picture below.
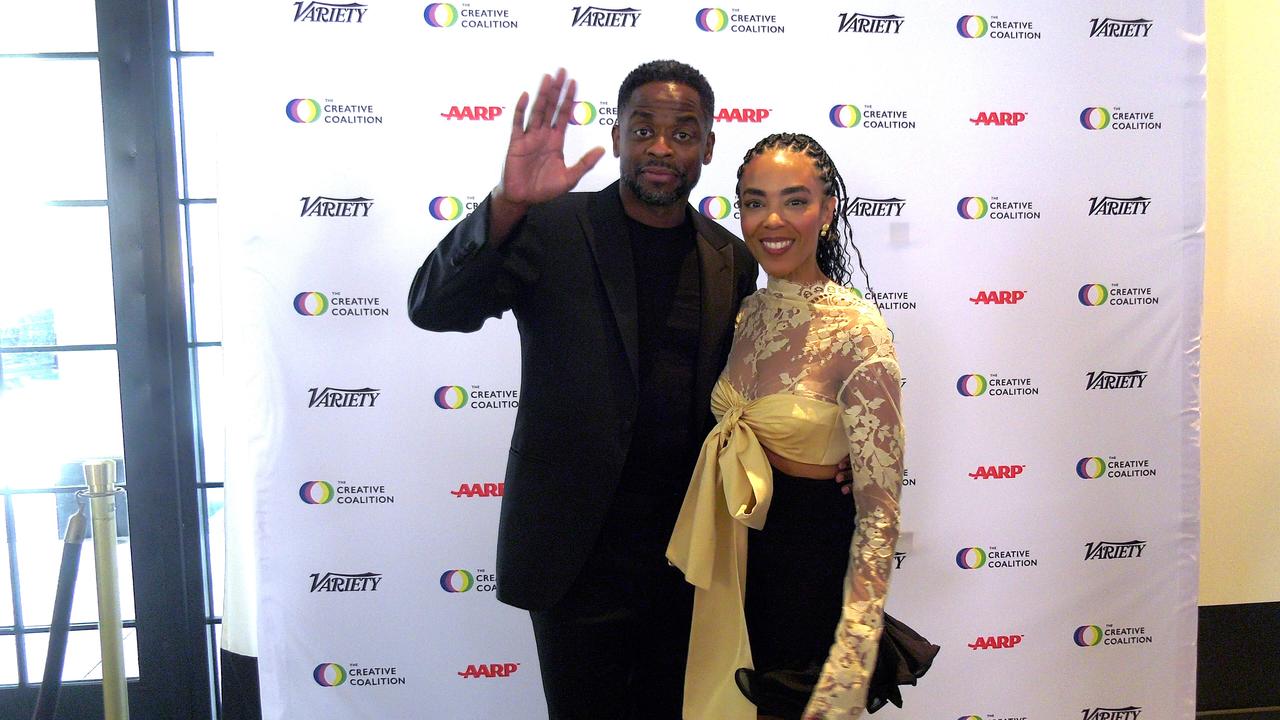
{"points": [[617, 135]]}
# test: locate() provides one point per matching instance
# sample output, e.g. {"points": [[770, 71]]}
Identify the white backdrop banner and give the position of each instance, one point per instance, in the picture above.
{"points": [[1029, 180]]}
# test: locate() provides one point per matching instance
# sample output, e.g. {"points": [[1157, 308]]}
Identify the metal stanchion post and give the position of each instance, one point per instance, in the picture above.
{"points": [[51, 686], [100, 476]]}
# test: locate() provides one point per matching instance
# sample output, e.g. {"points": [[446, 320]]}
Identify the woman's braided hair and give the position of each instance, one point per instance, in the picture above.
{"points": [[833, 258]]}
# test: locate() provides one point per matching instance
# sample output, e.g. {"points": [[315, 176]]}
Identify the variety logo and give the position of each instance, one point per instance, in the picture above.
{"points": [[1101, 118], [1096, 294], [319, 492], [978, 26], [322, 206], [898, 557], [998, 118], [972, 558], [306, 110], [483, 490], [323, 12], [1092, 468], [1000, 472], [1111, 27], [343, 582], [333, 397], [848, 116], [456, 397], [876, 207], [316, 492], [310, 304], [440, 15], [711, 19], [973, 385], [460, 581], [1102, 713], [313, 304], [974, 207], [333, 675], [592, 16], [716, 207], [1107, 550], [996, 642], [998, 297], [1107, 205], [1092, 636], [1110, 380], [329, 674], [745, 115], [716, 20], [490, 670], [873, 24], [487, 113]]}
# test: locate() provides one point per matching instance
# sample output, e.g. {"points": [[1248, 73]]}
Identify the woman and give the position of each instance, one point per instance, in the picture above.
{"points": [[811, 377]]}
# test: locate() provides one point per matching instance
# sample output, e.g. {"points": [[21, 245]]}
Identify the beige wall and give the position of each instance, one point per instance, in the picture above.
{"points": [[1240, 361]]}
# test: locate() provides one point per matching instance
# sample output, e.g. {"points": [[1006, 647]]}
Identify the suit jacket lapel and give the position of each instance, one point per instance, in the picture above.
{"points": [[715, 257], [605, 226]]}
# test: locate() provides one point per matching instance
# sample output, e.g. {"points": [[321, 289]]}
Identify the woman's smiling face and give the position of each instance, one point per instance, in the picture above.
{"points": [[784, 205]]}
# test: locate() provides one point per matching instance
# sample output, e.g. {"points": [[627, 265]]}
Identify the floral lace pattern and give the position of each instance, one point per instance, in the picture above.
{"points": [[827, 343]]}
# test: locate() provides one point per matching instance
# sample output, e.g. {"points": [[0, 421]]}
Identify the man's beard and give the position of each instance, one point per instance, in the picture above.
{"points": [[654, 197]]}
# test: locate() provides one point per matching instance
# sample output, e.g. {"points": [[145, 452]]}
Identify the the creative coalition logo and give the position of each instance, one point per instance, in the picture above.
{"points": [[995, 28], [1094, 635], [1108, 205], [998, 297], [323, 12], [338, 304], [907, 478], [888, 299], [1108, 550], [716, 207], [345, 582], [332, 675], [450, 207], [1131, 712], [972, 558], [443, 15], [332, 397], [997, 472], [1097, 294], [484, 113], [456, 397], [717, 20], [600, 113], [598, 17], [479, 490], [324, 206], [460, 581], [1112, 380], [996, 642], [868, 116], [319, 492], [307, 110], [976, 207], [974, 385], [871, 24], [1094, 467], [490, 670], [1112, 27], [1097, 117], [876, 207], [995, 716], [1001, 118]]}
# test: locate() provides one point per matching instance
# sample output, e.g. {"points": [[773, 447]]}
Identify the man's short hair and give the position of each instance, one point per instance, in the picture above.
{"points": [[668, 71]]}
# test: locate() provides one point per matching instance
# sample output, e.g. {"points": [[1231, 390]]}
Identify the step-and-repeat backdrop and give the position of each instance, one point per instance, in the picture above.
{"points": [[1029, 198]]}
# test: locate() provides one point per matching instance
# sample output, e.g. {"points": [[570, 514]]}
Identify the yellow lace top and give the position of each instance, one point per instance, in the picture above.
{"points": [[812, 376]]}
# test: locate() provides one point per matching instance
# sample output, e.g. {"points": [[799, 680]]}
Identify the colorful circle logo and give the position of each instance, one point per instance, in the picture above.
{"points": [[316, 492], [302, 110], [440, 14], [1095, 118], [584, 113], [971, 558], [716, 207], [845, 116], [310, 304], [1091, 468], [971, 385], [972, 26], [712, 19], [972, 207], [457, 581], [445, 207], [451, 397], [1088, 635], [968, 717], [1093, 294], [329, 674]]}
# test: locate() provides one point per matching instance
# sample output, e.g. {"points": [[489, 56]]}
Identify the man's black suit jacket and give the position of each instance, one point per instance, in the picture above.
{"points": [[567, 274]]}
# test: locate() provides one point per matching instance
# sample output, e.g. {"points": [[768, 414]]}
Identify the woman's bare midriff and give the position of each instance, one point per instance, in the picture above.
{"points": [[799, 469]]}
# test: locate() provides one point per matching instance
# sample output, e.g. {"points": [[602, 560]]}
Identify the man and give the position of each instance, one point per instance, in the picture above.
{"points": [[625, 300]]}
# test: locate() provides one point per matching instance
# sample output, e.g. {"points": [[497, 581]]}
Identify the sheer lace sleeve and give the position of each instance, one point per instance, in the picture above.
{"points": [[869, 404]]}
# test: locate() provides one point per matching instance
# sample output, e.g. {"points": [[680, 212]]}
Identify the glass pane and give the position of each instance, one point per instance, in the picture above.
{"points": [[39, 521], [84, 655], [200, 113], [217, 545], [52, 149], [49, 26], [199, 19], [206, 262], [55, 276], [57, 408], [212, 425], [9, 660], [6, 583]]}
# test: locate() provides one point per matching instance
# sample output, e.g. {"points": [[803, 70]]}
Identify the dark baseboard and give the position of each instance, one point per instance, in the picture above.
{"points": [[1238, 664]]}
